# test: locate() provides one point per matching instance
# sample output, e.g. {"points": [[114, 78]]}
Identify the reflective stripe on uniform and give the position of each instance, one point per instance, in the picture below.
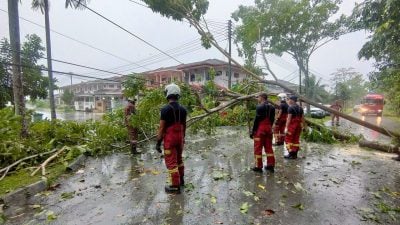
{"points": [[180, 165], [296, 145], [257, 139], [175, 170], [270, 154], [167, 152], [258, 156]]}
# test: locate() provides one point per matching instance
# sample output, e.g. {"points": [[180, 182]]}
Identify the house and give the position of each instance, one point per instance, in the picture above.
{"points": [[97, 95], [196, 74]]}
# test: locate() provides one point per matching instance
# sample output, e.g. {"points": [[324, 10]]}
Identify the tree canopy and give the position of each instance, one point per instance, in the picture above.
{"points": [[35, 85], [382, 18], [297, 28]]}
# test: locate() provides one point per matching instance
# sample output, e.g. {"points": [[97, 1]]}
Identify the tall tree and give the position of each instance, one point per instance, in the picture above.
{"points": [[43, 5], [35, 85], [348, 85], [317, 91], [382, 18], [18, 92], [297, 28]]}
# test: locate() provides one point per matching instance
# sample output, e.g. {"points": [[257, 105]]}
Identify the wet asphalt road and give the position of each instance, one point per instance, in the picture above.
{"points": [[328, 184], [382, 121]]}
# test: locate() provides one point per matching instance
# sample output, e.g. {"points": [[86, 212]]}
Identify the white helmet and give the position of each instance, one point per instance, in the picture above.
{"points": [[282, 96], [172, 89]]}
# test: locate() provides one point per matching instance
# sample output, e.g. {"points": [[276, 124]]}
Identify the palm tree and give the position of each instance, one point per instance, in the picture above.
{"points": [[316, 91], [43, 5]]}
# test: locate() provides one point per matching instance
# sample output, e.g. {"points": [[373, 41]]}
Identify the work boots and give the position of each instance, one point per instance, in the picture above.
{"points": [[173, 189], [256, 169], [269, 168], [134, 150], [291, 155]]}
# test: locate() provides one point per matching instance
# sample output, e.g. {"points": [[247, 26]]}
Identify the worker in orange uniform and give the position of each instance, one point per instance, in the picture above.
{"points": [[294, 124], [262, 134], [280, 120], [172, 131], [336, 106], [130, 110]]}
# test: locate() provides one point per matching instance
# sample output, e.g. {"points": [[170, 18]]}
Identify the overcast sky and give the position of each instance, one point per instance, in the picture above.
{"points": [[178, 37]]}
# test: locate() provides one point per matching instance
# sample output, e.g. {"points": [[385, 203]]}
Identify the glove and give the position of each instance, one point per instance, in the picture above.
{"points": [[251, 135], [158, 146], [286, 130]]}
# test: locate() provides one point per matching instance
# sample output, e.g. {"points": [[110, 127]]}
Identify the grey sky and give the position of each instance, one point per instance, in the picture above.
{"points": [[161, 32]]}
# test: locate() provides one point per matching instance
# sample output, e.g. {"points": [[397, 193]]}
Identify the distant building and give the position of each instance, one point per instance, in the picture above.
{"points": [[96, 95], [105, 95], [196, 74]]}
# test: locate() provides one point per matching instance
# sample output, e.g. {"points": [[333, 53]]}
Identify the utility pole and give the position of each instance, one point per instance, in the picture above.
{"points": [[300, 86], [49, 63], [230, 54]]}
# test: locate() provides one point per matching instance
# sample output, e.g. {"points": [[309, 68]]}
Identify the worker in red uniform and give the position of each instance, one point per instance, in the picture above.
{"points": [[294, 124], [172, 131], [130, 110], [262, 134], [336, 106], [280, 120]]}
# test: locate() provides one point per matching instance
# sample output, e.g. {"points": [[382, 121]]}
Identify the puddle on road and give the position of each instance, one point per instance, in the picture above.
{"points": [[328, 184]]}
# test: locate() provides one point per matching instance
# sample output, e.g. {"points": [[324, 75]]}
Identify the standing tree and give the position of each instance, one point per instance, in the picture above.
{"points": [[68, 97], [382, 18], [348, 85], [297, 28], [35, 85], [317, 90], [43, 5]]}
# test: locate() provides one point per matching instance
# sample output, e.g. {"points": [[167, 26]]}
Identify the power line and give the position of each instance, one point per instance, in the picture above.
{"points": [[129, 32], [76, 40], [183, 49]]}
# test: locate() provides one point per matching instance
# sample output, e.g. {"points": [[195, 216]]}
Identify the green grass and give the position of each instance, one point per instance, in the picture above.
{"points": [[319, 121], [23, 178]]}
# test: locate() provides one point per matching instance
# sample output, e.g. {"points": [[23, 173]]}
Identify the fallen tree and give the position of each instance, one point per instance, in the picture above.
{"points": [[193, 12]]}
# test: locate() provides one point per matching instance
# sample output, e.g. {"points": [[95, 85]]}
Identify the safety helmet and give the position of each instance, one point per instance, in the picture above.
{"points": [[282, 96], [172, 90]]}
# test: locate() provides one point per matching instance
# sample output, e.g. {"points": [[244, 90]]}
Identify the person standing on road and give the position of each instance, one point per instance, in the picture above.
{"points": [[280, 121], [262, 134], [336, 106], [294, 124], [172, 131], [130, 110]]}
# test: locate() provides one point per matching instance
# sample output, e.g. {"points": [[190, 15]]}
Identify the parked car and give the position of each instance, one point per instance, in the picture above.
{"points": [[317, 113], [326, 112]]}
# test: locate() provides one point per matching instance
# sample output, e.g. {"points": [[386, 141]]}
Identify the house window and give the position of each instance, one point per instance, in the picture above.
{"points": [[192, 77], [111, 85], [218, 73], [236, 75]]}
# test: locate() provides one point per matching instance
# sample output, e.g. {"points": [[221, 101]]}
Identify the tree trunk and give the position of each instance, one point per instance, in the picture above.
{"points": [[49, 62], [18, 91], [379, 146]]}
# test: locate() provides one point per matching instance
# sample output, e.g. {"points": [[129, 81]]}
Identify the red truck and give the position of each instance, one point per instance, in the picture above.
{"points": [[372, 104]]}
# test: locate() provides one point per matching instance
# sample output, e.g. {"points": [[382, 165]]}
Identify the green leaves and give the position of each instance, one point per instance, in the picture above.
{"points": [[244, 208]]}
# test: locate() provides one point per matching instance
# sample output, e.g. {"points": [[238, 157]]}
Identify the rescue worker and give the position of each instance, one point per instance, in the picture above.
{"points": [[172, 132], [336, 106], [262, 134], [294, 124], [130, 110], [280, 120]]}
